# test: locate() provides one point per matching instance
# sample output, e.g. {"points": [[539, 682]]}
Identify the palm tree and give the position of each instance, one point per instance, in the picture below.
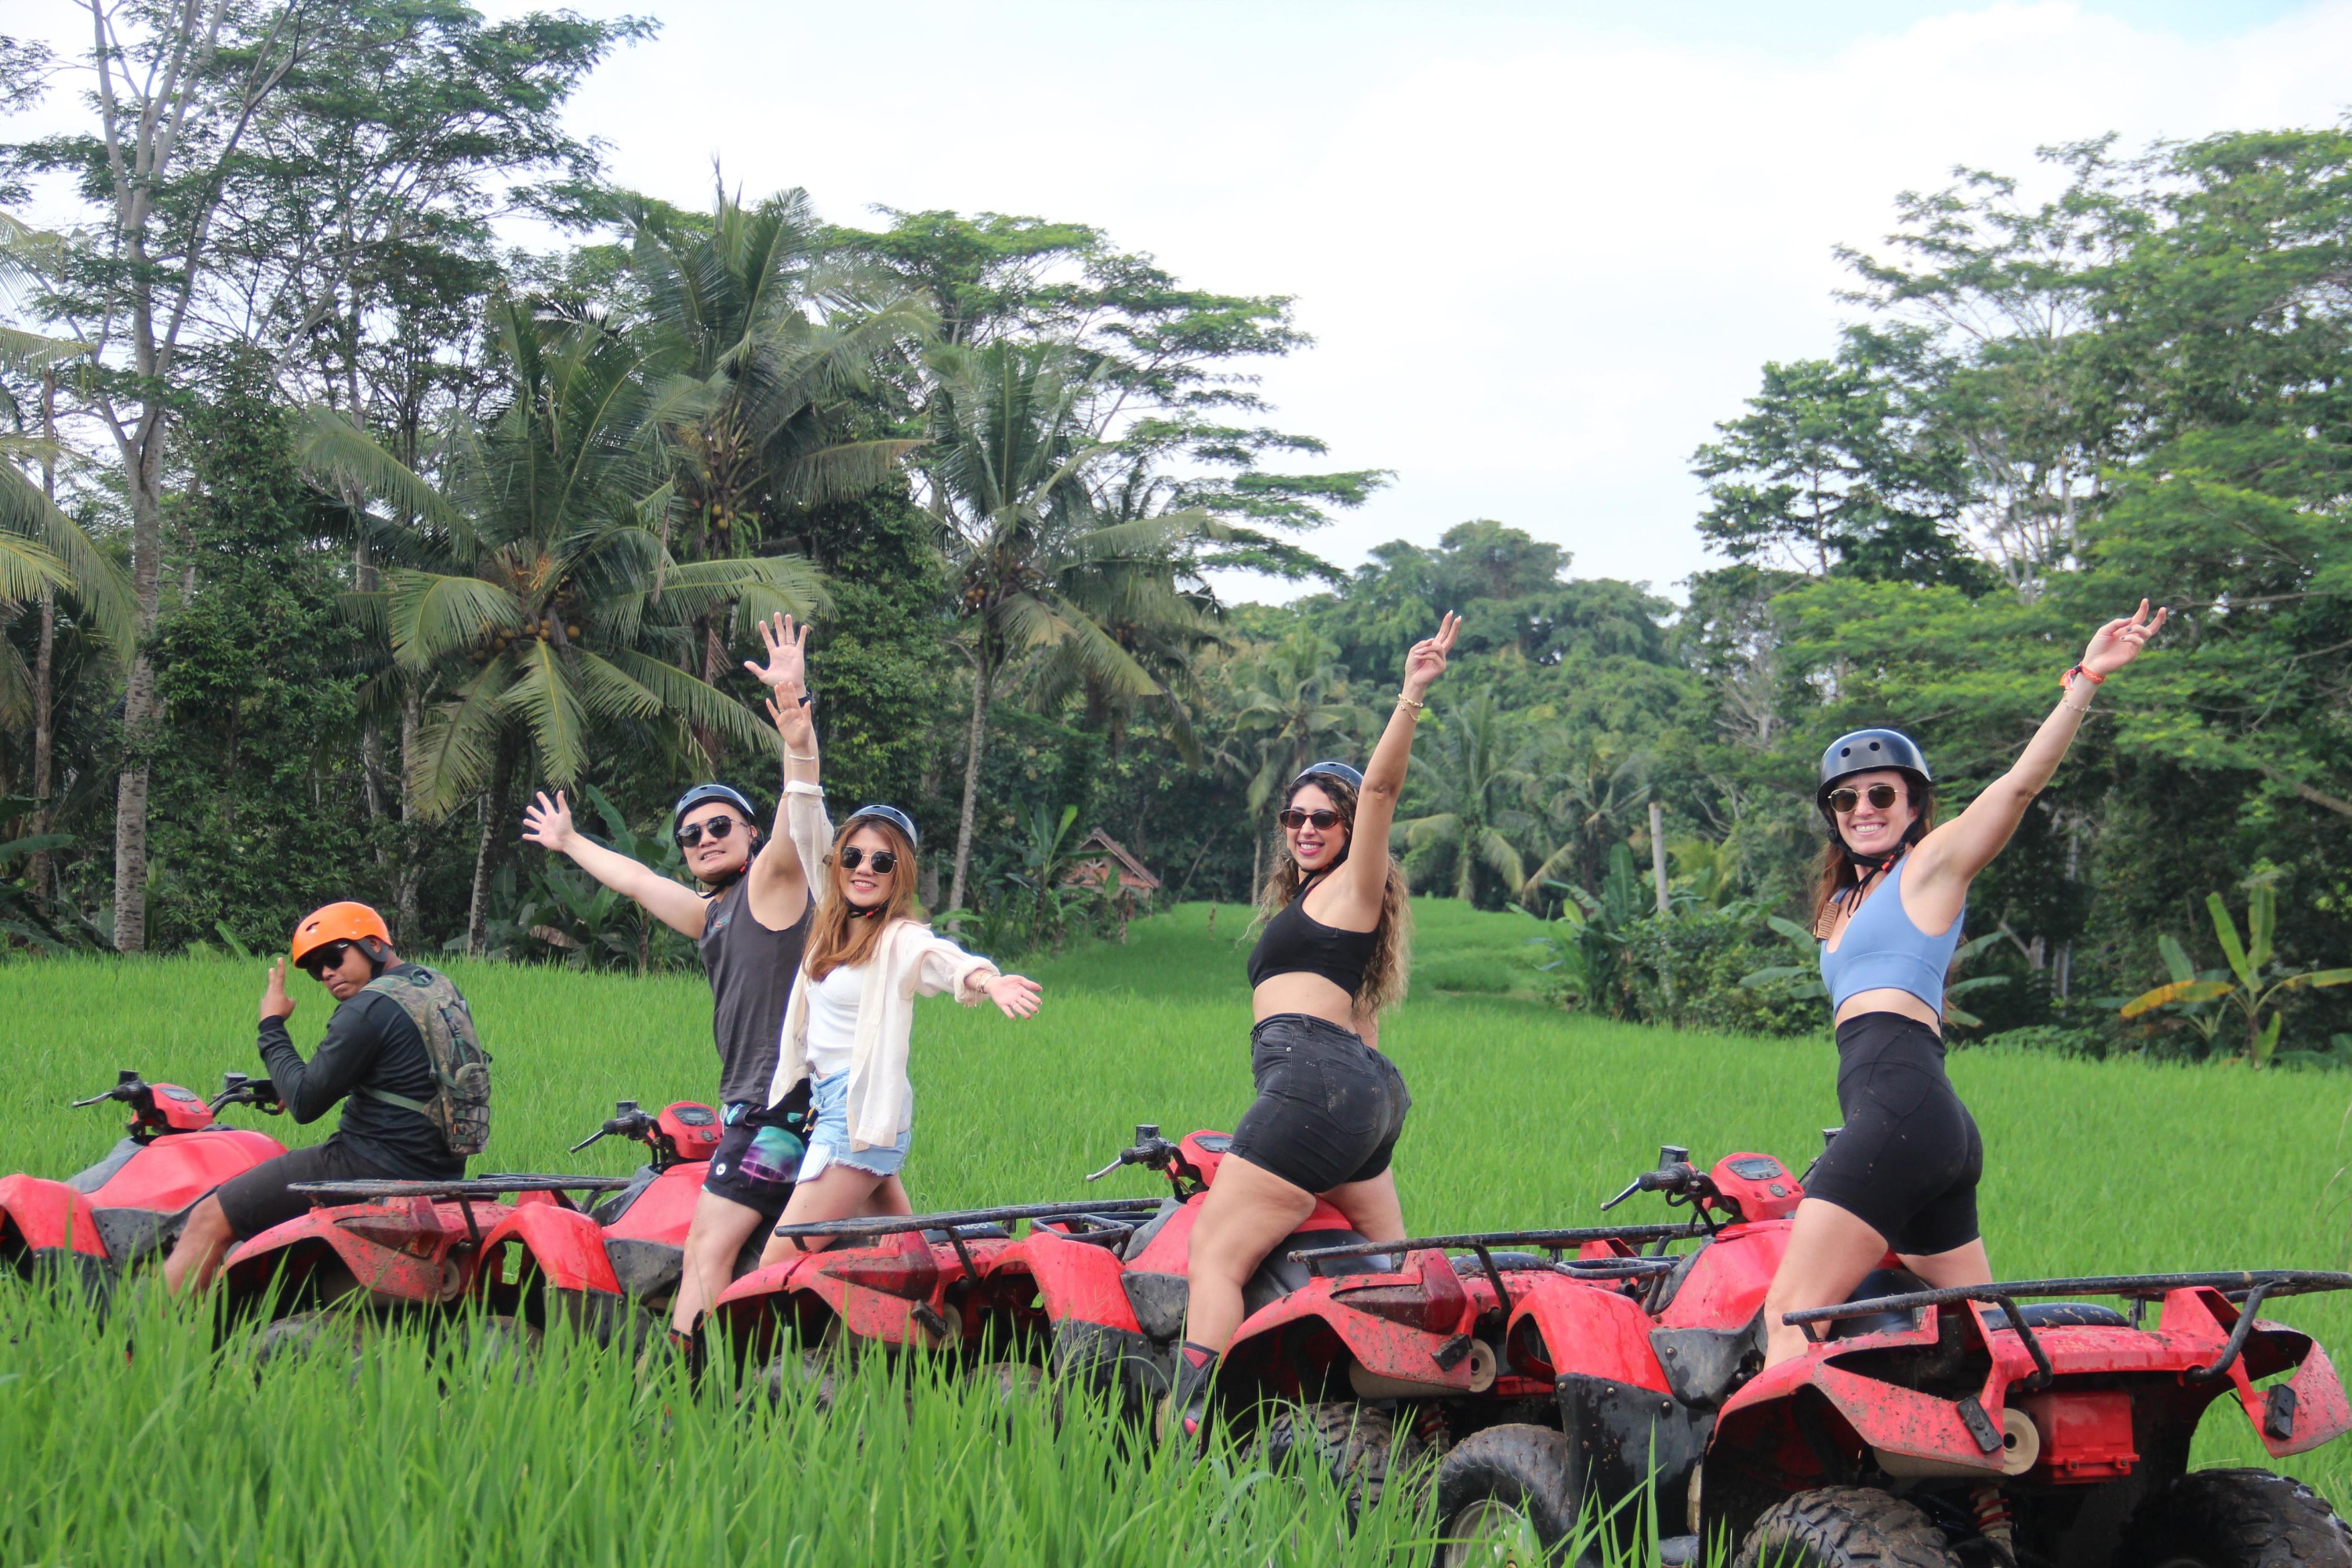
{"points": [[1470, 767], [750, 388], [1586, 791], [539, 601], [1011, 466]]}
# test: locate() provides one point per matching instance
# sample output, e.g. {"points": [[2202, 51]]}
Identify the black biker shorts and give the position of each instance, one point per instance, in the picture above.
{"points": [[776, 1139], [1907, 1160], [255, 1201], [1329, 1107]]}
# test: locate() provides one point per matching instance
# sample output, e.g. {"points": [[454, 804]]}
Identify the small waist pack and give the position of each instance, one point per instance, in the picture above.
{"points": [[460, 1106]]}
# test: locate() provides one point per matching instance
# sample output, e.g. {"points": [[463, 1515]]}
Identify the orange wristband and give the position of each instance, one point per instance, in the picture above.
{"points": [[2066, 681]]}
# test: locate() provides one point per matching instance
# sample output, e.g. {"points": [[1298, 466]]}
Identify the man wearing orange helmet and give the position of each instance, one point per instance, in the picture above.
{"points": [[375, 1058]]}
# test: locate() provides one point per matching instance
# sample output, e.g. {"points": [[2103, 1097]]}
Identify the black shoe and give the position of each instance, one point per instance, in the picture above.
{"points": [[1188, 1408]]}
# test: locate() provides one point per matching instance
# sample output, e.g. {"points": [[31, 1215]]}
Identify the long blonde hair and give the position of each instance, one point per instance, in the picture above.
{"points": [[843, 936], [1383, 985]]}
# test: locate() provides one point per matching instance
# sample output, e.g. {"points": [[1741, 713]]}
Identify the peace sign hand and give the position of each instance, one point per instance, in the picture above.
{"points": [[2120, 641], [1427, 662]]}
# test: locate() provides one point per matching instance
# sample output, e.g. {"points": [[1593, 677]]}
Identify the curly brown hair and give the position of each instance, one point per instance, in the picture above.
{"points": [[1383, 985]]}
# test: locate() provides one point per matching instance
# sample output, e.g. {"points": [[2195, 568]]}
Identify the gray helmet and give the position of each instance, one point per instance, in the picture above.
{"points": [[1868, 751], [891, 815], [1346, 775], [703, 794]]}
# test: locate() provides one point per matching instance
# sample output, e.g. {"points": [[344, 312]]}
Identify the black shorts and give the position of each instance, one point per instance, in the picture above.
{"points": [[774, 1139], [1907, 1160], [258, 1200], [1329, 1107]]}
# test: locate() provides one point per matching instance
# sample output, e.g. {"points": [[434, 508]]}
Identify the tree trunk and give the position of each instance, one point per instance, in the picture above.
{"points": [[45, 660], [714, 662], [493, 810], [139, 708], [983, 682], [405, 884]]}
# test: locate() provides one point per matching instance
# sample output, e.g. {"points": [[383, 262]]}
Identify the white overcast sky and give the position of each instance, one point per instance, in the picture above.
{"points": [[1542, 247]]}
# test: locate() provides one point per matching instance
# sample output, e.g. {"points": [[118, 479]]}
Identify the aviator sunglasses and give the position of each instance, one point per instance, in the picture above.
{"points": [[882, 861], [1882, 796], [1295, 819], [319, 960], [718, 828]]}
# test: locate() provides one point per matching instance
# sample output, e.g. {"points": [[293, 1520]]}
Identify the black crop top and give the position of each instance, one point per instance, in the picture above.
{"points": [[1296, 942]]}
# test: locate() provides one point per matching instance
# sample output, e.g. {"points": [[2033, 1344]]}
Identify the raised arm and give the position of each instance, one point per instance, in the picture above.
{"points": [[780, 880], [1954, 853], [1358, 883], [547, 823]]}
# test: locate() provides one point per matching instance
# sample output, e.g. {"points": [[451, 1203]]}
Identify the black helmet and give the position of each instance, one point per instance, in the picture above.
{"points": [[891, 815], [1867, 751], [1346, 775], [703, 794]]}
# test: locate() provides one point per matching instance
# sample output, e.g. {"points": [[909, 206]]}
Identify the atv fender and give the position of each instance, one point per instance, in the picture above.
{"points": [[2293, 1418], [566, 1246], [888, 1293], [397, 1251], [1430, 1350], [1079, 1282], [38, 1215]]}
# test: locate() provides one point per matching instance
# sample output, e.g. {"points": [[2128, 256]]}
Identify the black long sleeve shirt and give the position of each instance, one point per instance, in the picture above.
{"points": [[370, 1043]]}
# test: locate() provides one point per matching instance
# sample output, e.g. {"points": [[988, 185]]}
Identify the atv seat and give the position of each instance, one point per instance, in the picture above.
{"points": [[2059, 1315], [1876, 1283]]}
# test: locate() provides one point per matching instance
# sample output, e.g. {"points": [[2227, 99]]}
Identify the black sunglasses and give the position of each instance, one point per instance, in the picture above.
{"points": [[882, 862], [1294, 818], [1882, 796], [718, 828], [319, 960]]}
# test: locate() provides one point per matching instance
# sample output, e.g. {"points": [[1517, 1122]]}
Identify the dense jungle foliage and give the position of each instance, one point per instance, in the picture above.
{"points": [[329, 530]]}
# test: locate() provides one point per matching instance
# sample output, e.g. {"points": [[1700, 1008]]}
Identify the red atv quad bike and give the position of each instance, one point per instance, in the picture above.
{"points": [[645, 1222], [1361, 1375], [371, 1250], [957, 1283], [128, 1207]]}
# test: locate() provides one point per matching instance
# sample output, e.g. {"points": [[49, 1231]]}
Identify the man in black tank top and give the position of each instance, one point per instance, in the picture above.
{"points": [[750, 928]]}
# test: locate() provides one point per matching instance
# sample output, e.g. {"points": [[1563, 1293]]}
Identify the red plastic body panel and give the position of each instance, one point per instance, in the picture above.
{"points": [[170, 1174], [692, 1129], [1426, 1290], [47, 1216], [1760, 1194], [1079, 1283], [566, 1245], [1558, 1325], [2204, 1319], [664, 1210], [181, 1109], [2085, 1435], [1724, 1287], [402, 1252]]}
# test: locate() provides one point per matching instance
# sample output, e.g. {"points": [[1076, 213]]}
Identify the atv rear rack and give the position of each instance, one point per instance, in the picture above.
{"points": [[1483, 1242], [464, 1193], [2249, 1288]]}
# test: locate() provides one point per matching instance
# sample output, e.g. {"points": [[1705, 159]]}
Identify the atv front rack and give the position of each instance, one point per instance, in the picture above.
{"points": [[1483, 1242], [2249, 1288], [477, 1189], [959, 1221]]}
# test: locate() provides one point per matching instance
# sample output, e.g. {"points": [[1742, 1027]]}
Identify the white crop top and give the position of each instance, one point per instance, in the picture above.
{"points": [[833, 1018]]}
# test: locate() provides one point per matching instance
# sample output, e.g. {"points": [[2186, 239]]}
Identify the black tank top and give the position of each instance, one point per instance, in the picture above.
{"points": [[752, 970], [1296, 942]]}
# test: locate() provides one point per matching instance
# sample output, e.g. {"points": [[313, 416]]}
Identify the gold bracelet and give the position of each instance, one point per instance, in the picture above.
{"points": [[2078, 709], [795, 756], [1404, 701]]}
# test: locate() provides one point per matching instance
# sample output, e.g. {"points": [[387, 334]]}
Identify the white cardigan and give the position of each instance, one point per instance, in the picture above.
{"points": [[909, 961]]}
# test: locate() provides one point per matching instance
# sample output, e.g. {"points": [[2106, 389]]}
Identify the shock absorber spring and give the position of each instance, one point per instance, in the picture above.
{"points": [[1995, 1523]]}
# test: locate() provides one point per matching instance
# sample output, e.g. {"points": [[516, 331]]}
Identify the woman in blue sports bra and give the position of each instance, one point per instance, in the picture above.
{"points": [[1901, 1175]]}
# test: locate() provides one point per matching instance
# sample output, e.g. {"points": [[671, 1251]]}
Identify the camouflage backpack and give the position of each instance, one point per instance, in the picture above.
{"points": [[460, 1107]]}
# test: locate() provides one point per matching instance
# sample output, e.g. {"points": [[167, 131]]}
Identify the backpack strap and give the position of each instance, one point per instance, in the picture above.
{"points": [[388, 1098]]}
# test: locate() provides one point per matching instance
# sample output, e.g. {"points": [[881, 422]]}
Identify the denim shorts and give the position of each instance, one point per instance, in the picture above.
{"points": [[829, 1139], [1329, 1107]]}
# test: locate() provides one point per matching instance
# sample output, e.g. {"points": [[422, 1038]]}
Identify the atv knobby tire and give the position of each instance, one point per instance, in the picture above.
{"points": [[1506, 1496], [2236, 1519], [1357, 1444], [1845, 1527], [321, 1331]]}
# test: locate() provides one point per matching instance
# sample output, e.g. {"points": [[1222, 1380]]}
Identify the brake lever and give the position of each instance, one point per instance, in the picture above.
{"points": [[94, 1099], [1114, 1165], [590, 1139], [1620, 1197]]}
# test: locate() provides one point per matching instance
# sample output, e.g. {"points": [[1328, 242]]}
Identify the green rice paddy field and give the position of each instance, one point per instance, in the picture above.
{"points": [[135, 1440]]}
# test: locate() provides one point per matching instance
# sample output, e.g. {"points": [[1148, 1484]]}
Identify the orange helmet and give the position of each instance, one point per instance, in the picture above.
{"points": [[337, 922]]}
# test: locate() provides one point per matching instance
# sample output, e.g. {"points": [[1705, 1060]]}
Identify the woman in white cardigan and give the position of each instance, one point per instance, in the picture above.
{"points": [[851, 1016]]}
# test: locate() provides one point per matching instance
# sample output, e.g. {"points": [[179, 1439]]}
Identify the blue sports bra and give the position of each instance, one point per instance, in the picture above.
{"points": [[1881, 949]]}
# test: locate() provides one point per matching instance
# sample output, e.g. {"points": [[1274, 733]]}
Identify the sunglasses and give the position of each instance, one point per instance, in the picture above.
{"points": [[319, 960], [718, 828], [881, 861], [1882, 796], [1295, 819]]}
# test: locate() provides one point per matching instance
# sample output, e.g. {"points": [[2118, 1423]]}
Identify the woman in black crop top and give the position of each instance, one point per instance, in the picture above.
{"points": [[1330, 1105]]}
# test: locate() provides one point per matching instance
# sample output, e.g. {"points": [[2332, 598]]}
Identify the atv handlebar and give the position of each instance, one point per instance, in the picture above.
{"points": [[240, 1089], [1675, 1176], [628, 1121], [1151, 1149], [129, 1087]]}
